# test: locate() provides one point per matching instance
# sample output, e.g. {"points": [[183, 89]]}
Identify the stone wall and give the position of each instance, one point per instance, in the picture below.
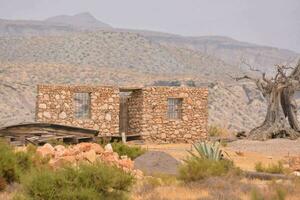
{"points": [[156, 127], [55, 104], [147, 111], [135, 112]]}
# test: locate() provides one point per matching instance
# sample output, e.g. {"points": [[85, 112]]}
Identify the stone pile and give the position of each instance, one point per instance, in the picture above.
{"points": [[86, 153]]}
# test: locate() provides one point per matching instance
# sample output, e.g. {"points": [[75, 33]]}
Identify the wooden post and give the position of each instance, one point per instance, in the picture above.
{"points": [[123, 137]]}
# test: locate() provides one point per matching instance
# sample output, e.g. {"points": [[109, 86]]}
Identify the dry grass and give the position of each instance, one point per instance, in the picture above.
{"points": [[221, 188]]}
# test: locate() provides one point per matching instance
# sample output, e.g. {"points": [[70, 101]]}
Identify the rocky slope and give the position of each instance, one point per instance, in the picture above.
{"points": [[118, 50], [232, 51]]}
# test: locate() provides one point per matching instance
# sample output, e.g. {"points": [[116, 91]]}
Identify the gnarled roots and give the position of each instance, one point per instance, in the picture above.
{"points": [[274, 130]]}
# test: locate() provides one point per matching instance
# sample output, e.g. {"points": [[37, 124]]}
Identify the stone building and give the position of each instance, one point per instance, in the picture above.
{"points": [[155, 114]]}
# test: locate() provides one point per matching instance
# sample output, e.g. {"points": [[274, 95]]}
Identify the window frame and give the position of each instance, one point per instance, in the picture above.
{"points": [[76, 106], [175, 113]]}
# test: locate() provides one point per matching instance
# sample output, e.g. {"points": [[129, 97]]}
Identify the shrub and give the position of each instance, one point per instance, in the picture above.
{"points": [[24, 161], [131, 151], [8, 163], [271, 168], [216, 131], [206, 150], [195, 169], [97, 181], [31, 149], [256, 195]]}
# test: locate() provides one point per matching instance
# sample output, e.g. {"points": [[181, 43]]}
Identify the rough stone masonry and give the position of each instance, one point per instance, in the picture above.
{"points": [[148, 111]]}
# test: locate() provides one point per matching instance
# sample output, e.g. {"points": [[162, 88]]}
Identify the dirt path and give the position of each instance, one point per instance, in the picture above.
{"points": [[275, 147]]}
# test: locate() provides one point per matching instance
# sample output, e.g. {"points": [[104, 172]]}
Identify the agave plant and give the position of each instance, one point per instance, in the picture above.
{"points": [[205, 150]]}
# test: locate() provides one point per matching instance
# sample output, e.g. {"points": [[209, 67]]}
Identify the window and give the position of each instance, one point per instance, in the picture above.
{"points": [[174, 108], [82, 104]]}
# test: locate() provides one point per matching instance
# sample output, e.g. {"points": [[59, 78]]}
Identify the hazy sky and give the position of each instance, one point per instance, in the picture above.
{"points": [[269, 22]]}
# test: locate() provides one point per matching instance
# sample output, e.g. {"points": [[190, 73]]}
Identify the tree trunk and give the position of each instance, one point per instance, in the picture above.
{"points": [[281, 119]]}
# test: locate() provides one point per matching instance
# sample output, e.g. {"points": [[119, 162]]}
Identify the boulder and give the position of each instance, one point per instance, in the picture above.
{"points": [[108, 148], [46, 150], [97, 148], [84, 147], [156, 162], [90, 156], [61, 161]]}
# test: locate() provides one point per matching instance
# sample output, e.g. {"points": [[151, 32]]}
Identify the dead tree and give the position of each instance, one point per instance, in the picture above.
{"points": [[281, 118]]}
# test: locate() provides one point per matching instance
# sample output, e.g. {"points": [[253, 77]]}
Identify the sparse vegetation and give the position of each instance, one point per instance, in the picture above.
{"points": [[131, 151], [8, 163], [205, 150], [197, 169], [271, 168], [206, 162], [217, 131], [97, 181]]}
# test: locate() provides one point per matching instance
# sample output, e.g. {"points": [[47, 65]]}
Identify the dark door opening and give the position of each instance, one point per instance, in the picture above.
{"points": [[123, 116]]}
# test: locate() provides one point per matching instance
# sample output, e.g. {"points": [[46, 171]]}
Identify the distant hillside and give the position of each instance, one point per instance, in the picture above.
{"points": [[119, 50], [81, 21], [232, 51], [57, 25]]}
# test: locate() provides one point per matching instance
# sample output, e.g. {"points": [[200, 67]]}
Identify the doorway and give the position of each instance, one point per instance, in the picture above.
{"points": [[123, 115]]}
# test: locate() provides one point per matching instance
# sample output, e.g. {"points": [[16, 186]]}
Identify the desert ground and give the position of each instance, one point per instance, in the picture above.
{"points": [[244, 153]]}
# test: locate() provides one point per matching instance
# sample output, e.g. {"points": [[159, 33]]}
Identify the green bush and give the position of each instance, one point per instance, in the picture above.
{"points": [[206, 150], [14, 164], [97, 181], [271, 168], [8, 163], [195, 169], [24, 161], [131, 151]]}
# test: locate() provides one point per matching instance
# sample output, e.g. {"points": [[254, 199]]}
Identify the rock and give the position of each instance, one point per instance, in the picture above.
{"points": [[97, 148], [43, 106], [108, 148], [110, 100], [47, 114], [104, 107], [86, 153], [296, 173], [84, 147], [61, 161], [126, 163], [108, 117], [154, 162], [62, 115], [90, 156], [46, 150], [59, 148]]}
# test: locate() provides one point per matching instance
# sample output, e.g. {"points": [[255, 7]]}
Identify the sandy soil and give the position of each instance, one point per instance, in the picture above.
{"points": [[244, 153]]}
